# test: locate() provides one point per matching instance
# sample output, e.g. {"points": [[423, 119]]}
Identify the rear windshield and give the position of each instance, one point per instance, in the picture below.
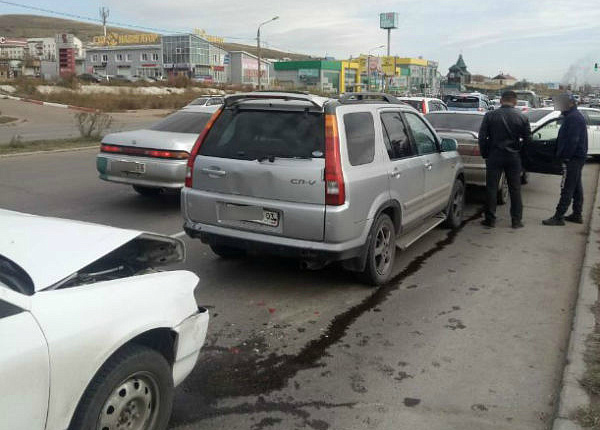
{"points": [[455, 121], [256, 134], [535, 115], [417, 104], [183, 122], [463, 102], [200, 101]]}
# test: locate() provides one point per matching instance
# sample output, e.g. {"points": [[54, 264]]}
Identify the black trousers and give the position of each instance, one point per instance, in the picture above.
{"points": [[500, 161], [571, 188]]}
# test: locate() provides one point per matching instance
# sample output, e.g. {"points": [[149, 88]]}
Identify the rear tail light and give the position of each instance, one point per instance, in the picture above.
{"points": [[424, 107], [335, 192], [469, 150], [190, 164], [144, 152], [480, 109]]}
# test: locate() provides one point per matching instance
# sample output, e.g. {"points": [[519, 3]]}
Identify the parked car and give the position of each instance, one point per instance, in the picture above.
{"points": [[468, 102], [153, 160], [208, 100], [523, 105], [89, 77], [495, 103], [92, 335], [464, 127], [425, 104], [321, 180], [592, 118]]}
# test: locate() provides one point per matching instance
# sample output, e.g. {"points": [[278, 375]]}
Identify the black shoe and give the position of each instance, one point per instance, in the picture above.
{"points": [[517, 224], [553, 221], [488, 223], [575, 218]]}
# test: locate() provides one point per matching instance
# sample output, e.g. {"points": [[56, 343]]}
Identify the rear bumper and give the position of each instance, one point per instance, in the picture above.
{"points": [[475, 174], [160, 173], [266, 244], [191, 334]]}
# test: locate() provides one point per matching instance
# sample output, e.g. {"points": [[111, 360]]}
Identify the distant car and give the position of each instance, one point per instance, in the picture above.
{"points": [[464, 127], [592, 118], [153, 160], [425, 104], [202, 78], [92, 335], [141, 78], [523, 105], [89, 77], [468, 102], [495, 103], [208, 100]]}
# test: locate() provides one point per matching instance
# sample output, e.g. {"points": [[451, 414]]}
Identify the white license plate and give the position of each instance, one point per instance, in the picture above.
{"points": [[127, 166], [270, 218]]}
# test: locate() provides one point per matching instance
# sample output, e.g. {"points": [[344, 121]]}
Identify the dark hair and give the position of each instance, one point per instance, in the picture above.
{"points": [[509, 95]]}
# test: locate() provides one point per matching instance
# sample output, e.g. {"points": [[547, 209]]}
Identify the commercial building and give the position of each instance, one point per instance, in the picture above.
{"points": [[141, 60], [319, 75], [13, 53], [350, 77], [191, 55], [42, 48], [243, 69]]}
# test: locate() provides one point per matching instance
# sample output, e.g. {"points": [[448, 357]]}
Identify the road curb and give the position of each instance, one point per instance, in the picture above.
{"points": [[58, 105], [51, 151], [572, 395]]}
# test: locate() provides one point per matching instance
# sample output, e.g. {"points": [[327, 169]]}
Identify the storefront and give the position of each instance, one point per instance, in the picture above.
{"points": [[133, 60], [244, 69], [319, 75], [192, 56]]}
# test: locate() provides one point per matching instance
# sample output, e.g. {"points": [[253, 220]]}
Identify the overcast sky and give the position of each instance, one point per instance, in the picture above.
{"points": [[533, 39]]}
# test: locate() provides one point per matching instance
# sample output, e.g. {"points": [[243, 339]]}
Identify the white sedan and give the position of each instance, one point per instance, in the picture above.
{"points": [[91, 335], [538, 117]]}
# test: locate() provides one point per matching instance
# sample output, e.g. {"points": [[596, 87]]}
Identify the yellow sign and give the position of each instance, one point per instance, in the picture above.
{"points": [[217, 40], [113, 39]]}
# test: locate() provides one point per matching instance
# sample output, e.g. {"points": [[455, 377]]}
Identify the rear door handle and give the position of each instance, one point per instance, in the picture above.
{"points": [[396, 173], [213, 171], [428, 165]]}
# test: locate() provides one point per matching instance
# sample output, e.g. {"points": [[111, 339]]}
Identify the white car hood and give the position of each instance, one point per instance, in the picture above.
{"points": [[50, 249], [153, 139]]}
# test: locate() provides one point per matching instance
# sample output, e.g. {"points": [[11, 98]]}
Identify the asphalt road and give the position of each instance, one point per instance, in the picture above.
{"points": [[470, 335], [36, 122]]}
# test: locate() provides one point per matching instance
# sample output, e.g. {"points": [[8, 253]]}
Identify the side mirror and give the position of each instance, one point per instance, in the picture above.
{"points": [[449, 145]]}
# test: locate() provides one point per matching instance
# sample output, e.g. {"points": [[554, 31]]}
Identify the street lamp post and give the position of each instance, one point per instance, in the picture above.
{"points": [[369, 65], [258, 48]]}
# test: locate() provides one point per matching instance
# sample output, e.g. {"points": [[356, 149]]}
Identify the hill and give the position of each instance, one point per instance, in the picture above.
{"points": [[46, 26]]}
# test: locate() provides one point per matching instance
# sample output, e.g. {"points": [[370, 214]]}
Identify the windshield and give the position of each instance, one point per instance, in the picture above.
{"points": [[455, 121], [463, 102], [200, 101], [417, 104], [256, 134], [535, 115], [183, 122], [14, 277]]}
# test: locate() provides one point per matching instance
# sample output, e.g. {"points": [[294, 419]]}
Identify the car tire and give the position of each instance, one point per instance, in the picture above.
{"points": [[147, 191], [135, 386], [502, 197], [228, 252], [456, 206], [381, 252]]}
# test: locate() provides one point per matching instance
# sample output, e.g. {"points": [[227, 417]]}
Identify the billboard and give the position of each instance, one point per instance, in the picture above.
{"points": [[388, 20]]}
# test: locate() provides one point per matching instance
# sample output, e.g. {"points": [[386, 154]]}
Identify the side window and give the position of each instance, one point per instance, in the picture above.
{"points": [[548, 131], [442, 106], [360, 137], [8, 309], [592, 118], [425, 141], [395, 136], [432, 106]]}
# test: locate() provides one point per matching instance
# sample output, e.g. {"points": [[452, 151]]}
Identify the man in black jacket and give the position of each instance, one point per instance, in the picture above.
{"points": [[501, 136], [572, 147]]}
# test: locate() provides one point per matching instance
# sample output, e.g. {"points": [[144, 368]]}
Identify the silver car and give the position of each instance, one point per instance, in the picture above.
{"points": [[321, 180], [154, 159], [464, 127], [207, 101]]}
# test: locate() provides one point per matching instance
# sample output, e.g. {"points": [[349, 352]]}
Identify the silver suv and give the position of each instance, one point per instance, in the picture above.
{"points": [[321, 179]]}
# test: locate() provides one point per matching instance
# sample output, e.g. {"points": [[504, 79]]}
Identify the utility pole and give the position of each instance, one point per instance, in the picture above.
{"points": [[104, 12], [258, 49]]}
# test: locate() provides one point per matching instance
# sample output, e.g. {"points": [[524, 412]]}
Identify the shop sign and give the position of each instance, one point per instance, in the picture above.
{"points": [[113, 39]]}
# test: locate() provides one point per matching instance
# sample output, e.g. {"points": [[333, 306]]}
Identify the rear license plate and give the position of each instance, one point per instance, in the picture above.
{"points": [[232, 212], [127, 166]]}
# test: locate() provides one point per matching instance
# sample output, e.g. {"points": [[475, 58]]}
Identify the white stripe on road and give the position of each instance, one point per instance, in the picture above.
{"points": [[177, 235]]}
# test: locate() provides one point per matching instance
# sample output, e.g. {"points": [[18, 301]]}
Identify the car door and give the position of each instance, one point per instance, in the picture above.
{"points": [[24, 368], [592, 118], [405, 169], [540, 155], [437, 165]]}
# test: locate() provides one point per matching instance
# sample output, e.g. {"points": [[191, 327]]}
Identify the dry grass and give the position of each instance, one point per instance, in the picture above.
{"points": [[17, 146], [588, 417], [7, 119]]}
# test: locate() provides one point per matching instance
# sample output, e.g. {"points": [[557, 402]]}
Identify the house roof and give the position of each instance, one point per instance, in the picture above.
{"points": [[504, 77]]}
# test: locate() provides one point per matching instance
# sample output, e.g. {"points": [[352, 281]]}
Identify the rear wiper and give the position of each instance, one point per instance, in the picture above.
{"points": [[271, 158]]}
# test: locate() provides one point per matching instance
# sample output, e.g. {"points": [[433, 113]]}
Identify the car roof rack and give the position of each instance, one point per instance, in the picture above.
{"points": [[367, 97], [269, 95]]}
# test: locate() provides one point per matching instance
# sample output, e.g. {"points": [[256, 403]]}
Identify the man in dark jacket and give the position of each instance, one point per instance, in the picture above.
{"points": [[572, 147], [503, 132]]}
